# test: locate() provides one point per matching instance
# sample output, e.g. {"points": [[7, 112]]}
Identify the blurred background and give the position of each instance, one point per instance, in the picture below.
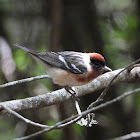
{"points": [[110, 27]]}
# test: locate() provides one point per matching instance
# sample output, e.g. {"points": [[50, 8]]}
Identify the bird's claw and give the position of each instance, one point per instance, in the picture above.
{"points": [[73, 93]]}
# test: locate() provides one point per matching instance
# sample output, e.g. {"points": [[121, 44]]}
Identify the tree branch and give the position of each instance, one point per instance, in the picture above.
{"points": [[128, 68], [61, 95], [9, 111], [24, 80], [73, 119], [128, 136]]}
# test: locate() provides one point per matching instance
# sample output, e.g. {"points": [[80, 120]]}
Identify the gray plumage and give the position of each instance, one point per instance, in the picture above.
{"points": [[68, 60]]}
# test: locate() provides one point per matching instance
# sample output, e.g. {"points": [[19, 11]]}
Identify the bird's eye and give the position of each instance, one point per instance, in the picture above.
{"points": [[97, 64]]}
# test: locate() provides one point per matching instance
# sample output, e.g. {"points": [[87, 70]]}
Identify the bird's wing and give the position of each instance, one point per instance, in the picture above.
{"points": [[70, 61]]}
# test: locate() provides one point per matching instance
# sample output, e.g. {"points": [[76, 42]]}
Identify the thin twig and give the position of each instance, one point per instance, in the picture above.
{"points": [[24, 80], [75, 118], [128, 136], [79, 112], [57, 126], [22, 118], [100, 98], [136, 65], [107, 88], [37, 133]]}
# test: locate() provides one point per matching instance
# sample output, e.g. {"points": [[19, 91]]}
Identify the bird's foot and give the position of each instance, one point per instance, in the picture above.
{"points": [[72, 92]]}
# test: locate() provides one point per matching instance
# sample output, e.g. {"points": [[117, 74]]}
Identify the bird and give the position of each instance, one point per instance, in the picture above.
{"points": [[70, 68]]}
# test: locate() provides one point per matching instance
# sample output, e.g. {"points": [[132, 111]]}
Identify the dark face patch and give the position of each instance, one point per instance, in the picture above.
{"points": [[97, 64]]}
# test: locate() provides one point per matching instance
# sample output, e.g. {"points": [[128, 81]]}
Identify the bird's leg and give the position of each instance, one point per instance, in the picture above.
{"points": [[72, 92]]}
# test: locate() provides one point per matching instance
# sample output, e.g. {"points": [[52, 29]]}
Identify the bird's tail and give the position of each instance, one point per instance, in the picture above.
{"points": [[26, 49], [23, 48]]}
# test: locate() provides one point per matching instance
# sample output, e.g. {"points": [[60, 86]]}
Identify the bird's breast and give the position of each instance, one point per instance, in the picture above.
{"points": [[64, 78], [84, 79]]}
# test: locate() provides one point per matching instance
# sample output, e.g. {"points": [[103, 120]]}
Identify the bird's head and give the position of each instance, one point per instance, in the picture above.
{"points": [[97, 62]]}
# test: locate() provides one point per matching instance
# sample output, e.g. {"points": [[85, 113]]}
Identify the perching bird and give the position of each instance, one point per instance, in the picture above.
{"points": [[70, 68]]}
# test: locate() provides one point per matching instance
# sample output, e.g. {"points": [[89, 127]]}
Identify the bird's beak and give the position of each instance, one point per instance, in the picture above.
{"points": [[106, 69]]}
